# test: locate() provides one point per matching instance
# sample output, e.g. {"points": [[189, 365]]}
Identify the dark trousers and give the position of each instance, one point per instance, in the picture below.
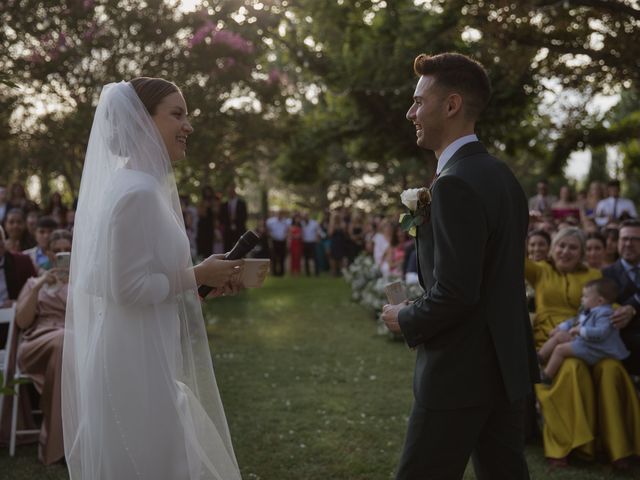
{"points": [[279, 254], [439, 443], [309, 252]]}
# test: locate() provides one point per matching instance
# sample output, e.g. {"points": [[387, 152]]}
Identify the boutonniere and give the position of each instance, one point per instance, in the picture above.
{"points": [[418, 201]]}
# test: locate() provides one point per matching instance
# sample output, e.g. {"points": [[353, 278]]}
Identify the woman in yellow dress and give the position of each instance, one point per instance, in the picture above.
{"points": [[581, 406]]}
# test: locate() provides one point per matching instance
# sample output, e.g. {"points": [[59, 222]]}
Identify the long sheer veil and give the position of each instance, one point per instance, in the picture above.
{"points": [[139, 395]]}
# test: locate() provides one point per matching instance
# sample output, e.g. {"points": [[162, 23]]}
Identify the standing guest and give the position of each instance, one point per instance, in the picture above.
{"points": [[310, 238], [218, 229], [40, 253], [475, 359], [295, 244], [538, 245], [31, 223], [595, 250], [16, 231], [393, 259], [262, 249], [233, 217], [70, 219], [611, 254], [40, 314], [565, 206], [356, 237], [18, 198], [381, 241], [278, 228], [56, 208], [323, 248], [338, 247], [594, 195], [542, 202], [626, 273], [369, 233], [3, 204], [206, 220], [614, 207]]}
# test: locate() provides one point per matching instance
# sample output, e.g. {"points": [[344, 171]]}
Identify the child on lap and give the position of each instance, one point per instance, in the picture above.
{"points": [[590, 336]]}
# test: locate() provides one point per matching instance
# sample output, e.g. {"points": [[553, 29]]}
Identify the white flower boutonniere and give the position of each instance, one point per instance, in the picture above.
{"points": [[418, 201]]}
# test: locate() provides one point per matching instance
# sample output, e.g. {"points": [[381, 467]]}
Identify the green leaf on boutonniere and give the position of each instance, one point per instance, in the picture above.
{"points": [[406, 221]]}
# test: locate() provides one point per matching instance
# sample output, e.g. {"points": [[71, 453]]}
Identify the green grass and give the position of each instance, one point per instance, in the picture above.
{"points": [[310, 391]]}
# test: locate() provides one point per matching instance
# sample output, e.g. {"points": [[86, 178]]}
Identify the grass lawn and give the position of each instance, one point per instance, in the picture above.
{"points": [[310, 391]]}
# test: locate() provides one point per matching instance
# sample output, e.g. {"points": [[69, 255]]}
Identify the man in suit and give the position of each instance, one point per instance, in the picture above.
{"points": [[233, 217], [542, 201], [475, 360], [626, 273], [15, 270]]}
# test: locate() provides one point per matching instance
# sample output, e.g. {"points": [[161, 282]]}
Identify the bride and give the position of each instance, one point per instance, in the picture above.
{"points": [[139, 395]]}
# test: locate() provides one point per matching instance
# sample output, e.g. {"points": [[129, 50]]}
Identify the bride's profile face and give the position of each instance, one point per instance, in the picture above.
{"points": [[171, 119]]}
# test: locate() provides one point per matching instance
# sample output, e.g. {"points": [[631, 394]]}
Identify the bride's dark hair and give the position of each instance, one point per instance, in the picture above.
{"points": [[152, 90]]}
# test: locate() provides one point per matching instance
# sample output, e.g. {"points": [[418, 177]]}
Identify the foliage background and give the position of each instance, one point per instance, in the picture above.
{"points": [[308, 98]]}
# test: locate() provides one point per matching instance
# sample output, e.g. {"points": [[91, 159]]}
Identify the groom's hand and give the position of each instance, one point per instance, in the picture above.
{"points": [[390, 316]]}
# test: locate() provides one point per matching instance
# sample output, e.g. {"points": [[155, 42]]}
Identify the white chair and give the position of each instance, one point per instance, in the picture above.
{"points": [[7, 316]]}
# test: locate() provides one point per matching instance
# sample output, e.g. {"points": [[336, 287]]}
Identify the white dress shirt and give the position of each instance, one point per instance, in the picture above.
{"points": [[614, 207], [278, 228], [452, 148], [310, 231]]}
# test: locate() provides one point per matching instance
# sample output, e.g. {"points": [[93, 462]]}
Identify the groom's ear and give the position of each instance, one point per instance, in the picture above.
{"points": [[454, 104]]}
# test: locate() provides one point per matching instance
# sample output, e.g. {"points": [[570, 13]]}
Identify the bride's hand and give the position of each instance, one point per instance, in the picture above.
{"points": [[215, 272]]}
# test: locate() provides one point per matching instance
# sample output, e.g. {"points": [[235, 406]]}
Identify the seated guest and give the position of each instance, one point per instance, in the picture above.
{"points": [[614, 207], [15, 269], [40, 314], [16, 231], [583, 408], [538, 245], [590, 336], [626, 273], [595, 250], [38, 254], [565, 206]]}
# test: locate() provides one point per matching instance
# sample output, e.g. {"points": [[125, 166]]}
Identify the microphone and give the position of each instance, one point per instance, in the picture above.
{"points": [[243, 246]]}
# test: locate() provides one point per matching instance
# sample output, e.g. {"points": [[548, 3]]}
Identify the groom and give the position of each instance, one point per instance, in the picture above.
{"points": [[475, 357]]}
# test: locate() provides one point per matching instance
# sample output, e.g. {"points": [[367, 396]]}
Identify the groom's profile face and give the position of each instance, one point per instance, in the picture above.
{"points": [[428, 113]]}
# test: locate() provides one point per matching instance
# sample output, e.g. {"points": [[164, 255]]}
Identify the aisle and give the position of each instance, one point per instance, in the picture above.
{"points": [[310, 391]]}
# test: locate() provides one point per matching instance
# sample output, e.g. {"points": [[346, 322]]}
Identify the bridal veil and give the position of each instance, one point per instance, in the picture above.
{"points": [[139, 396]]}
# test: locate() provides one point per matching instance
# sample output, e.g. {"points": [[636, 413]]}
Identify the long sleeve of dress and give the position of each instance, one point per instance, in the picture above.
{"points": [[134, 278]]}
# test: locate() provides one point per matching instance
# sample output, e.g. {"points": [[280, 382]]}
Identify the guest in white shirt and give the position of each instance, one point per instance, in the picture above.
{"points": [[310, 237], [38, 254], [542, 201], [381, 241], [614, 207], [278, 228]]}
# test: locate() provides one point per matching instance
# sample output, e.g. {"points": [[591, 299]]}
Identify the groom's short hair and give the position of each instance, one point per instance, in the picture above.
{"points": [[458, 73]]}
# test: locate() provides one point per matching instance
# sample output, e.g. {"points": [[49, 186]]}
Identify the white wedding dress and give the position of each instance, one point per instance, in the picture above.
{"points": [[140, 399]]}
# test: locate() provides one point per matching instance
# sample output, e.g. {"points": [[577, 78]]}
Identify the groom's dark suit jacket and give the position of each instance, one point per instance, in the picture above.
{"points": [[471, 327]]}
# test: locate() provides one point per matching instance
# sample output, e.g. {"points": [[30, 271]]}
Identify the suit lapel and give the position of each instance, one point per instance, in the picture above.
{"points": [[627, 287]]}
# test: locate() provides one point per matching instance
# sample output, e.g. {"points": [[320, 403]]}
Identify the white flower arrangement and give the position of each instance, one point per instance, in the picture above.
{"points": [[367, 287]]}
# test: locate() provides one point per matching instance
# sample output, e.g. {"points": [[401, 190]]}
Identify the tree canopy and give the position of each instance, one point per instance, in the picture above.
{"points": [[313, 95]]}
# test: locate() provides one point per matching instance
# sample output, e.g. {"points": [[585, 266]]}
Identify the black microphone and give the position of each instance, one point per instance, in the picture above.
{"points": [[243, 246]]}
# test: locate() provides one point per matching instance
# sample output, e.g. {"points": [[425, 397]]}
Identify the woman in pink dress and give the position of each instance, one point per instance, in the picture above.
{"points": [[40, 315], [295, 245]]}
